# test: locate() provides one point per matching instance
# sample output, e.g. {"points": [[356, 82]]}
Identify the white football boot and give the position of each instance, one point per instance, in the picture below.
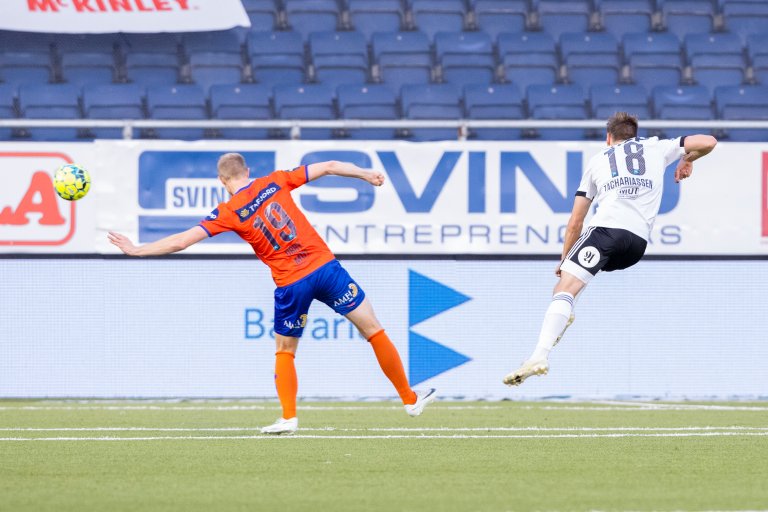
{"points": [[282, 426], [528, 369], [423, 398]]}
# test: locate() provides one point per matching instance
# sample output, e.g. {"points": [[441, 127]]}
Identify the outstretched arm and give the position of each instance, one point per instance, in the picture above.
{"points": [[696, 146], [167, 245], [575, 224], [345, 169]]}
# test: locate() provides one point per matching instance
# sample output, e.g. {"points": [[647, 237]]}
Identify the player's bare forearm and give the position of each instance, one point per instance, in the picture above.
{"points": [[167, 245], [345, 169], [572, 233], [696, 146]]}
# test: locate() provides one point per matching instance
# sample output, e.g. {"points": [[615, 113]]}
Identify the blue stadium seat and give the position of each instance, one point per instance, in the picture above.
{"points": [[277, 57], [339, 57], [683, 17], [620, 17], [368, 102], [559, 16], [369, 16], [8, 95], [748, 102], [496, 16], [50, 101], [214, 57], [83, 68], [715, 59], [177, 102], [606, 100], [433, 16], [757, 48], [25, 67], [25, 41], [313, 101], [403, 58], [712, 44], [151, 59], [746, 18], [242, 102], [654, 59], [434, 101], [85, 43], [262, 13], [305, 16], [465, 57], [496, 101], [691, 102], [591, 58], [112, 101], [558, 102], [743, 103], [528, 58]]}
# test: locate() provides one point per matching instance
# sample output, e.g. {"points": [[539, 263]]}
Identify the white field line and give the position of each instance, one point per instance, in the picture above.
{"points": [[349, 437], [438, 407], [395, 429]]}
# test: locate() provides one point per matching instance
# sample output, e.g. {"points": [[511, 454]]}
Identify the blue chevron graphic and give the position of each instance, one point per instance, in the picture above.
{"points": [[427, 358], [428, 298]]}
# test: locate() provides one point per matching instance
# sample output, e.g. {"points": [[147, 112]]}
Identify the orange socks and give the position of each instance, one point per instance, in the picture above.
{"points": [[286, 383], [390, 363]]}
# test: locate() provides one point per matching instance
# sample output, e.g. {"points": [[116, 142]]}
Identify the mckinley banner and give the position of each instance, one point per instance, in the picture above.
{"points": [[484, 198], [105, 16]]}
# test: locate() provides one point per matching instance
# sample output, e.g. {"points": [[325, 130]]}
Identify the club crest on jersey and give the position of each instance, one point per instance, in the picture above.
{"points": [[589, 257], [213, 215], [248, 210], [348, 297]]}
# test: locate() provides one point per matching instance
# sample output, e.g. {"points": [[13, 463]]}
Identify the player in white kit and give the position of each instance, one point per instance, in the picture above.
{"points": [[626, 181]]}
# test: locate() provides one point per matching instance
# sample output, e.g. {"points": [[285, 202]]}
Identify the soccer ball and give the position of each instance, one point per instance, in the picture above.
{"points": [[71, 182]]}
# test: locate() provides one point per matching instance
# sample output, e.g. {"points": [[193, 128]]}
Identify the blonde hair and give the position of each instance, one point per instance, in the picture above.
{"points": [[231, 165]]}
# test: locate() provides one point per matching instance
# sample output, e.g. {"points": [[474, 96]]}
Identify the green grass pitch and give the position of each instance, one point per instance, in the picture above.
{"points": [[458, 456]]}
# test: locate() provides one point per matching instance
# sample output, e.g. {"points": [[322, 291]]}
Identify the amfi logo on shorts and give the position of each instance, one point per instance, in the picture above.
{"points": [[347, 297]]}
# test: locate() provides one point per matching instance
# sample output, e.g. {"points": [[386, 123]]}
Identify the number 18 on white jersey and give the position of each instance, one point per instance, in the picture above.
{"points": [[626, 182]]}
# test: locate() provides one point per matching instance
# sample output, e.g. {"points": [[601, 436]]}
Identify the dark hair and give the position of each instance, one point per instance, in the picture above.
{"points": [[622, 126]]}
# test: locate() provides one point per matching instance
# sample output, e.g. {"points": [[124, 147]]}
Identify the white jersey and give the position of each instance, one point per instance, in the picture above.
{"points": [[626, 181]]}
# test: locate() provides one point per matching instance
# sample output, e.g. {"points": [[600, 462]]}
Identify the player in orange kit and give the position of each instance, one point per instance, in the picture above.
{"points": [[262, 213]]}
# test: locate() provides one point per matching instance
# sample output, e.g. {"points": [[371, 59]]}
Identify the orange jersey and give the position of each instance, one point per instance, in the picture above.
{"points": [[264, 215]]}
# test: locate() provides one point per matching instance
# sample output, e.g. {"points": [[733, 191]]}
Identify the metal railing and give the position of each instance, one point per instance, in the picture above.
{"points": [[462, 126]]}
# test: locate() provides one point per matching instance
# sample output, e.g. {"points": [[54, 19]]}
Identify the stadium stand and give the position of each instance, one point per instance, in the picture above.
{"points": [[50, 101], [743, 103], [391, 59]]}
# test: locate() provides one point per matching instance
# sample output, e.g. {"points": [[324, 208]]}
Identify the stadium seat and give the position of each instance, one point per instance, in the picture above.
{"points": [[339, 57], [8, 95], [177, 102], [369, 16], [682, 102], [748, 102], [558, 102], [85, 43], [711, 44], [681, 17], [305, 16], [606, 100], [50, 101], [112, 101], [620, 17], [25, 67], [654, 59], [465, 57], [434, 101], [496, 101], [242, 102], [496, 16], [312, 101], [25, 41], [83, 68], [151, 59], [262, 13], [402, 58], [214, 57], [528, 58], [757, 48], [433, 16], [559, 16], [591, 58], [715, 59], [368, 102], [276, 57], [746, 18]]}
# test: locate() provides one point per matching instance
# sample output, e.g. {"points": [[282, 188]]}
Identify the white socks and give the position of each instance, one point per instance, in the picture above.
{"points": [[555, 321]]}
